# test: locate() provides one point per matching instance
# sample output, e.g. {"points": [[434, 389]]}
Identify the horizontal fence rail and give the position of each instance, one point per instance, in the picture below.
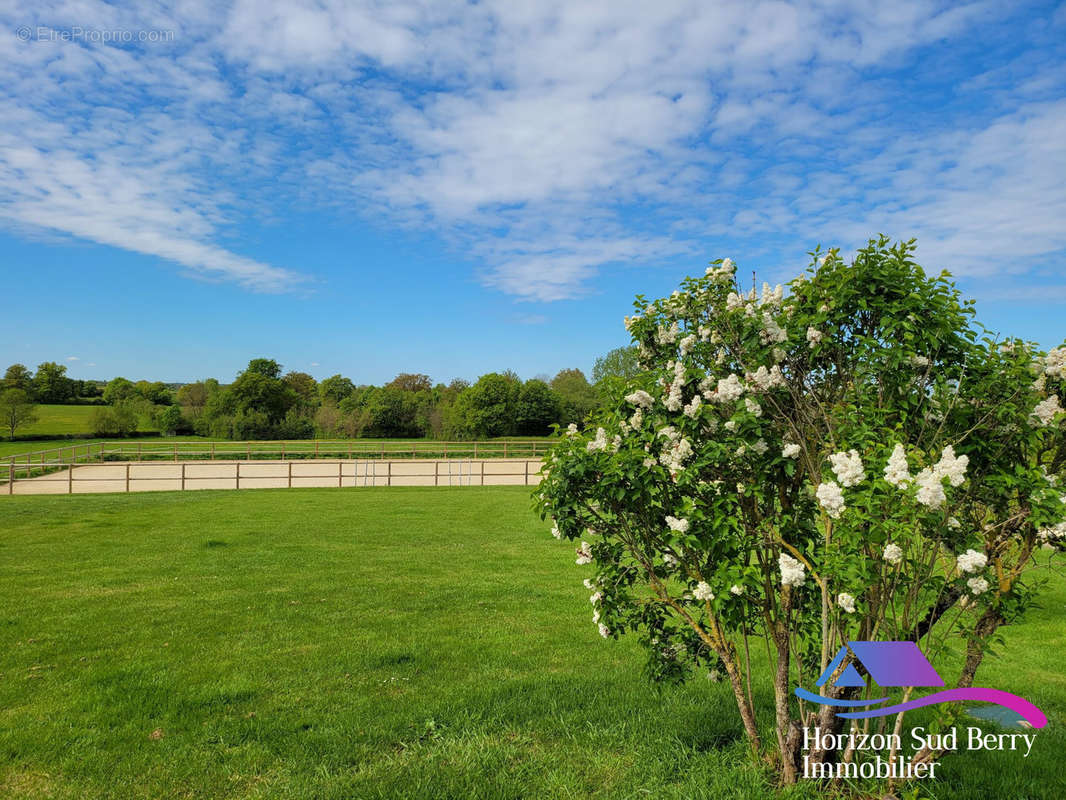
{"points": [[142, 466]]}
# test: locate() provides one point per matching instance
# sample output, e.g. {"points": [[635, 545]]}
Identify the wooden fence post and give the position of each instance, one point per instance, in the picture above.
{"points": [[388, 473], [127, 476], [11, 478], [436, 473], [70, 478], [290, 473], [238, 465], [527, 475], [340, 475], [482, 472], [183, 476]]}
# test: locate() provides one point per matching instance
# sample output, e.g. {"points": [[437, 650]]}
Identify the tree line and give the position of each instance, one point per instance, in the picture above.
{"points": [[264, 402]]}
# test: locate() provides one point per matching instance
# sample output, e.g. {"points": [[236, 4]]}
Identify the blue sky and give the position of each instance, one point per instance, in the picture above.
{"points": [[370, 188]]}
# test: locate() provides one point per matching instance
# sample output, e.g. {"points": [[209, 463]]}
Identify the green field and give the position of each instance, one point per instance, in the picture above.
{"points": [[54, 420], [372, 643]]}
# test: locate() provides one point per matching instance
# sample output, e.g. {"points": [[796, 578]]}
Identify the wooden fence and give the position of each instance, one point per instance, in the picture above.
{"points": [[75, 468]]}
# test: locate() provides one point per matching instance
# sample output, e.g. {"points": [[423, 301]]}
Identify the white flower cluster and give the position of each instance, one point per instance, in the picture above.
{"points": [[703, 591], [930, 480], [571, 429], [724, 271], [766, 379], [772, 297], [1055, 532], [971, 561], [831, 498], [686, 344], [666, 335], [790, 450], [977, 585], [753, 406], [846, 602], [897, 472], [677, 451], [848, 468], [814, 336], [670, 560], [558, 534], [681, 525], [640, 398], [693, 408], [729, 389], [893, 554], [584, 554], [1055, 363], [736, 590], [793, 573], [673, 400], [771, 332], [1046, 410], [599, 443]]}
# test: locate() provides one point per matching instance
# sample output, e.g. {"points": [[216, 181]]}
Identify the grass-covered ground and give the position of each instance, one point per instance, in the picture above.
{"points": [[56, 420], [372, 643]]}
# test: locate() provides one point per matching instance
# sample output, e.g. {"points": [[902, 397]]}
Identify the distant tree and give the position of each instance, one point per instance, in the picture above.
{"points": [[154, 392], [119, 389], [192, 397], [18, 376], [537, 408], [336, 388], [410, 382], [618, 363], [578, 396], [51, 384], [255, 392], [267, 367], [119, 419], [16, 410], [170, 420], [488, 407], [305, 386]]}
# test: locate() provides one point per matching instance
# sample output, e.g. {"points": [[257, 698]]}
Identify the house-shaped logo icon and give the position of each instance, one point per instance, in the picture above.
{"points": [[888, 663]]}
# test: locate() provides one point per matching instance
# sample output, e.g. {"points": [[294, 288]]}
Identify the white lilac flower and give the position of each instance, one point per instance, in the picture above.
{"points": [[977, 586], [731, 425], [778, 354], [954, 524], [814, 336], [771, 332], [596, 597], [556, 532], [649, 462], [670, 559], [1055, 362], [588, 584], [693, 408], [729, 389], [950, 467], [920, 361], [605, 632], [893, 553], [584, 554], [640, 398], [740, 451], [1046, 410], [680, 525], [666, 335], [630, 321], [1054, 532], [733, 301], [753, 406], [772, 297], [848, 468], [571, 429], [703, 591], [930, 489], [766, 379], [790, 450], [637, 419], [760, 446], [616, 443], [686, 344], [846, 602], [831, 498], [793, 573], [971, 561], [736, 590], [896, 471], [599, 443]]}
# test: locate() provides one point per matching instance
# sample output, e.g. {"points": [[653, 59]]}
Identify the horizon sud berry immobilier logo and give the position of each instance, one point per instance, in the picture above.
{"points": [[902, 664]]}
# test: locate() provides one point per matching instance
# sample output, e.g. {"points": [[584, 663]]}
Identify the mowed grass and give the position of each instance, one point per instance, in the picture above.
{"points": [[56, 420], [371, 643]]}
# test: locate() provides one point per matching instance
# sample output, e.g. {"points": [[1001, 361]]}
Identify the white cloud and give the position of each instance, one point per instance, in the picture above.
{"points": [[73, 358], [548, 140]]}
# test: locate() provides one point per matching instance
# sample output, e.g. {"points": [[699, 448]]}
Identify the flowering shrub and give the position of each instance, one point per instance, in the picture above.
{"points": [[849, 459]]}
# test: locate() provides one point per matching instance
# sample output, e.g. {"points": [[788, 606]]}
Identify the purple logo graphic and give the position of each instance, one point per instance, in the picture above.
{"points": [[903, 664]]}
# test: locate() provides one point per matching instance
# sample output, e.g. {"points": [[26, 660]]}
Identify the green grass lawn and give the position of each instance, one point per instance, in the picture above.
{"points": [[372, 643], [54, 420]]}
